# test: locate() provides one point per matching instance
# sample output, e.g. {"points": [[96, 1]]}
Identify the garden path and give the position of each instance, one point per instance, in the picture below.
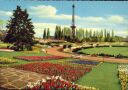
{"points": [[14, 79], [6, 50], [56, 51]]}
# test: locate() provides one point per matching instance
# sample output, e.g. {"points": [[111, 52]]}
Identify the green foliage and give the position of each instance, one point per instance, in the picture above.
{"points": [[2, 35], [48, 33], [20, 30], [44, 34], [58, 33], [118, 38], [86, 35], [80, 35]]}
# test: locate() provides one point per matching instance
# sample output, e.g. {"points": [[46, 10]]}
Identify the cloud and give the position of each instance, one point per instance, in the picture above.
{"points": [[116, 19], [49, 11], [92, 19], [5, 13], [43, 11]]}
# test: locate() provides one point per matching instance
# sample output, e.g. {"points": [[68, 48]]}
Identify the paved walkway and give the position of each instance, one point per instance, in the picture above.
{"points": [[6, 50], [56, 51], [14, 79]]}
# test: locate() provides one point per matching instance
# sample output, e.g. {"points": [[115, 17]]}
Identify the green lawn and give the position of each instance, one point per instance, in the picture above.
{"points": [[103, 77], [4, 45], [10, 55], [107, 50]]}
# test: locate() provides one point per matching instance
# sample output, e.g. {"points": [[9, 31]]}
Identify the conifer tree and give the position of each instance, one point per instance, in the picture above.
{"points": [[20, 31]]}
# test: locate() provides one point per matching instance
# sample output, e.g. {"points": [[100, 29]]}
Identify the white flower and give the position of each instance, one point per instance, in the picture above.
{"points": [[38, 82], [60, 78], [57, 77], [43, 80], [48, 78], [30, 85], [53, 77]]}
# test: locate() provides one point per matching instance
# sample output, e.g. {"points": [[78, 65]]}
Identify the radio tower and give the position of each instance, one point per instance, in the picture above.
{"points": [[73, 22]]}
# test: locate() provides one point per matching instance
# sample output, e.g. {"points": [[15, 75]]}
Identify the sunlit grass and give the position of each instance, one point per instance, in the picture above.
{"points": [[107, 50]]}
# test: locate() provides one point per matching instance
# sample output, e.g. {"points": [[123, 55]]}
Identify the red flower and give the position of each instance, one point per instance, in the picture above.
{"points": [[67, 72]]}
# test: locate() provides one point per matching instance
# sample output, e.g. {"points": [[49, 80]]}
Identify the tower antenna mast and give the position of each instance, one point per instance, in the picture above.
{"points": [[73, 21]]}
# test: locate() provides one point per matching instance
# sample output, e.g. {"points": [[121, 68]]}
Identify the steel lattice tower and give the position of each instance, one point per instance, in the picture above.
{"points": [[73, 21]]}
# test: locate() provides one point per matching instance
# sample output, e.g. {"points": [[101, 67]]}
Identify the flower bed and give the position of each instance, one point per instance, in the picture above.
{"points": [[56, 83], [38, 58], [67, 72], [123, 76], [6, 60], [85, 62]]}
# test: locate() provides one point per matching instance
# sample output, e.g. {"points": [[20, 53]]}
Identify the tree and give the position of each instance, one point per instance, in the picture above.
{"points": [[48, 33], [56, 33], [44, 35], [20, 31]]}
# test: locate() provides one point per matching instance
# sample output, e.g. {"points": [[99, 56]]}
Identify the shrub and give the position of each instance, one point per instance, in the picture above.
{"points": [[64, 46], [119, 56], [69, 46]]}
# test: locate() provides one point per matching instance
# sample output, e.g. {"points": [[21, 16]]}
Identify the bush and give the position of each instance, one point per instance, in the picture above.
{"points": [[64, 46], [69, 46], [119, 56]]}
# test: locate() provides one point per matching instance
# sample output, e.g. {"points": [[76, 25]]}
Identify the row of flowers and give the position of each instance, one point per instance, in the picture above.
{"points": [[56, 83], [70, 73], [123, 76], [85, 62], [38, 58], [4, 60]]}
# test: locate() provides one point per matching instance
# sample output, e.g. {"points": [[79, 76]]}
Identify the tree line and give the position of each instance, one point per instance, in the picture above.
{"points": [[83, 35]]}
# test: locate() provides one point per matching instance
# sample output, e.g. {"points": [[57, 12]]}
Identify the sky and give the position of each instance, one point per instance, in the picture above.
{"points": [[90, 15]]}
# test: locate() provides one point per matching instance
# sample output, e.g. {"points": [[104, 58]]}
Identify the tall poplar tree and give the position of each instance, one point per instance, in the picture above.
{"points": [[48, 33], [44, 34]]}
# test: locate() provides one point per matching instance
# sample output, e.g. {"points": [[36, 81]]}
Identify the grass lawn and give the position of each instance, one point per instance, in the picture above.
{"points": [[10, 55], [107, 50], [4, 45], [103, 77], [36, 52]]}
